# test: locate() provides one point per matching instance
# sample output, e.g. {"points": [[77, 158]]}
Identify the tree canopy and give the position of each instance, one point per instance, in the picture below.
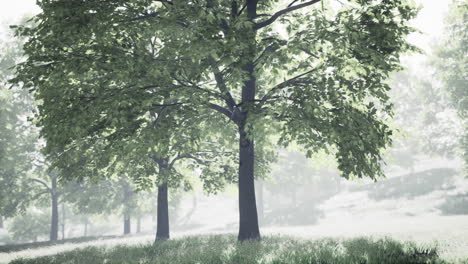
{"points": [[307, 71]]}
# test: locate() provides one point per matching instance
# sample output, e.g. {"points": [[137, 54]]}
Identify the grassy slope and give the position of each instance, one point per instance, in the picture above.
{"points": [[225, 249], [26, 246]]}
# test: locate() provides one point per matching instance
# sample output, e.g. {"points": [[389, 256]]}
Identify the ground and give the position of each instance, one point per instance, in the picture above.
{"points": [[406, 209]]}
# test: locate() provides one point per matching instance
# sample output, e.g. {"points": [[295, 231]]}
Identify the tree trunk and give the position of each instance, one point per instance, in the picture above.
{"points": [[248, 219], [162, 229], [1, 222], [188, 216], [294, 198], [127, 224], [63, 220], [260, 201], [85, 227], [55, 216], [127, 196], [138, 229]]}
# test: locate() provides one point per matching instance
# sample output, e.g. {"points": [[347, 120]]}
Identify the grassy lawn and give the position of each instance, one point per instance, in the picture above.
{"points": [[33, 245], [273, 249]]}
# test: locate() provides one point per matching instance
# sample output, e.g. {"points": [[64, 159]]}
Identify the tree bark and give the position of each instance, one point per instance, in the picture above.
{"points": [[55, 216], [127, 196], [187, 217], [138, 228], [127, 224], [63, 220], [248, 218], [85, 227], [162, 229], [294, 198]]}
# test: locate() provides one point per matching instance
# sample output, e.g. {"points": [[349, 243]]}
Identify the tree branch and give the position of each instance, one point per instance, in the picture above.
{"points": [[39, 195], [190, 84], [43, 183], [222, 85], [154, 14], [289, 9], [292, 3], [270, 49], [242, 10], [221, 109], [284, 84], [186, 156]]}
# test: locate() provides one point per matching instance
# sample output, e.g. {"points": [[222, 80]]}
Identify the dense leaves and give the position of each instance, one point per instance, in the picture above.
{"points": [[145, 83]]}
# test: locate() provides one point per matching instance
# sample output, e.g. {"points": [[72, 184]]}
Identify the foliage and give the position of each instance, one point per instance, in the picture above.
{"points": [[427, 122], [450, 56], [142, 82], [17, 136], [224, 249], [30, 226], [451, 62], [114, 63]]}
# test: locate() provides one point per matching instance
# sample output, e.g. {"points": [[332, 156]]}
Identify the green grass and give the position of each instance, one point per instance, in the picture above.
{"points": [[33, 245], [225, 249]]}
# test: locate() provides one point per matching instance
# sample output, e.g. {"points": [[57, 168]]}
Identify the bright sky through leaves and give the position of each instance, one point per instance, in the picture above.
{"points": [[429, 21]]}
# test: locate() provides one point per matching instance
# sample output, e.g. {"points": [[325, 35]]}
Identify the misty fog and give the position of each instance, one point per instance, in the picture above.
{"points": [[423, 196]]}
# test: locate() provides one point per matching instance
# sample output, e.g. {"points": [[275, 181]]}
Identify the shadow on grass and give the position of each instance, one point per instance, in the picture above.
{"points": [[274, 250], [411, 185], [455, 205], [307, 213], [19, 247]]}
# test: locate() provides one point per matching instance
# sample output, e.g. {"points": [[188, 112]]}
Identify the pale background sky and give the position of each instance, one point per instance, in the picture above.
{"points": [[430, 19]]}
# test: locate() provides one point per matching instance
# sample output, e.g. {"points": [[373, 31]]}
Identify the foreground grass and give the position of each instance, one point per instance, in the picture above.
{"points": [[226, 249]]}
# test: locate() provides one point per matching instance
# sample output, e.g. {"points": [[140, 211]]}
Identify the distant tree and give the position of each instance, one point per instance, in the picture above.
{"points": [[146, 159], [45, 186], [30, 226], [104, 197], [427, 122], [314, 73], [296, 185], [451, 63], [18, 138]]}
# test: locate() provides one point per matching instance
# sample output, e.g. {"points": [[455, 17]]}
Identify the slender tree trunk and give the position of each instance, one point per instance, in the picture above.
{"points": [[187, 217], [63, 220], [85, 227], [1, 222], [138, 229], [294, 198], [127, 192], [162, 229], [260, 204], [127, 224], [55, 216]]}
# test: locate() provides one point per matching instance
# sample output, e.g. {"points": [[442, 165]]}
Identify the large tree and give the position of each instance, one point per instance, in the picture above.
{"points": [[313, 71]]}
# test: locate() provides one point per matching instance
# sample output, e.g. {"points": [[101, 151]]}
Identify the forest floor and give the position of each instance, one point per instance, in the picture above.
{"points": [[397, 208], [447, 233], [225, 249]]}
